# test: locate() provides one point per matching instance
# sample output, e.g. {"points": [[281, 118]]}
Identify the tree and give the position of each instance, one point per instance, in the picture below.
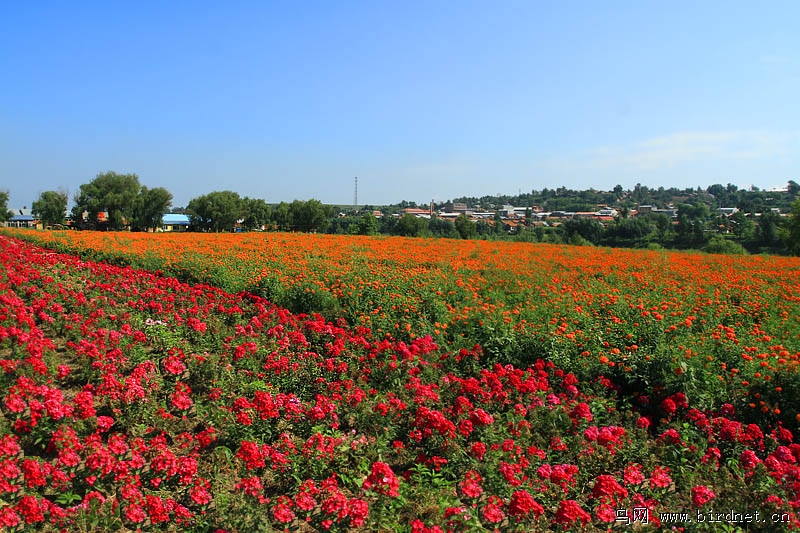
{"points": [[465, 227], [149, 207], [282, 217], [310, 216], [51, 207], [586, 228], [257, 213], [768, 229], [742, 226], [5, 214], [692, 224], [410, 226], [791, 231], [792, 188], [111, 193], [368, 224], [216, 211], [498, 226]]}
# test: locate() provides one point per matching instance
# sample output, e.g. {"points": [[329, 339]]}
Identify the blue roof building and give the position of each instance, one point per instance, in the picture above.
{"points": [[175, 222]]}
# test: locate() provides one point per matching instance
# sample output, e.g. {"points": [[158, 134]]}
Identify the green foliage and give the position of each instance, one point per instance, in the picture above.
{"points": [[216, 211], [768, 229], [791, 233], [51, 207], [720, 245], [587, 229], [109, 192], [310, 216], [5, 214], [149, 208], [442, 228], [693, 225], [257, 213], [465, 227], [282, 217], [368, 224], [411, 226]]}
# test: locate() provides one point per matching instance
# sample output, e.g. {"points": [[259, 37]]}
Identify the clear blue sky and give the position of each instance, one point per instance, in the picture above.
{"points": [[420, 100]]}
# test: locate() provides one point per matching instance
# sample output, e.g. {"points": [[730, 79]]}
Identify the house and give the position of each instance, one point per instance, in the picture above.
{"points": [[419, 213], [174, 222], [23, 218]]}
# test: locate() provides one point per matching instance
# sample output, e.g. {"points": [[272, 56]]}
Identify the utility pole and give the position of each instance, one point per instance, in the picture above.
{"points": [[355, 197]]}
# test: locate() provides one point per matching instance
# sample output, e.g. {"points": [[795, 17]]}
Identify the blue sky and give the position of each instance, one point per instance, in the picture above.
{"points": [[420, 100]]}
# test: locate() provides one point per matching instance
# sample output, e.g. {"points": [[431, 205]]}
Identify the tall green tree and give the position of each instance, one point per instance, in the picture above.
{"points": [[767, 233], [149, 207], [111, 193], [791, 231], [693, 221], [411, 226], [281, 216], [587, 228], [742, 226], [5, 214], [368, 225], [216, 211], [465, 227], [310, 216], [51, 207], [257, 213]]}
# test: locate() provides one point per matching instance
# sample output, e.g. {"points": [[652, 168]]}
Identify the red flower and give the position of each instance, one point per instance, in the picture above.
{"points": [[492, 511], [668, 407], [358, 510], [382, 480], [282, 513], [480, 417], [582, 412], [607, 489], [8, 517], [180, 398], [633, 475], [522, 504], [135, 513], [606, 513], [749, 459], [660, 477], [569, 511], [478, 450], [174, 365], [200, 495], [701, 495], [471, 487]]}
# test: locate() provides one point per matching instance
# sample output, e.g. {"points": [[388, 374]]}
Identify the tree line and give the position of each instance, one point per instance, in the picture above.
{"points": [[114, 201]]}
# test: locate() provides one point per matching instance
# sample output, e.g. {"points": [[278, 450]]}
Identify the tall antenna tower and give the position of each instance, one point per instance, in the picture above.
{"points": [[355, 197]]}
